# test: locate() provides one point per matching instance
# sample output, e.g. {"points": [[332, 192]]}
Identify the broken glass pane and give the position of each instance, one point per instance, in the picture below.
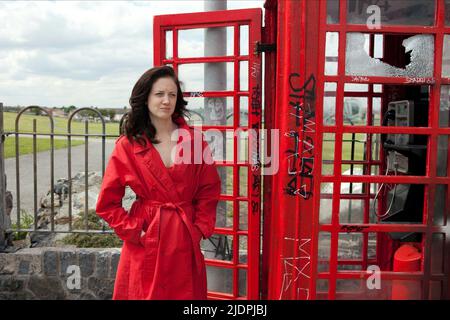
{"points": [[359, 62], [391, 12], [446, 57]]}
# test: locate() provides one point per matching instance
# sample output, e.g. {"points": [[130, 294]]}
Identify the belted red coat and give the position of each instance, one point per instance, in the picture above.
{"points": [[175, 207]]}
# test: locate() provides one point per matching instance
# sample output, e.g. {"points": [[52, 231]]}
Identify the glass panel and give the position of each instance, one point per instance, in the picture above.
{"points": [[441, 202], [350, 246], [372, 246], [323, 263], [376, 146], [332, 11], [356, 87], [243, 249], [218, 247], [243, 40], [328, 153], [375, 170], [243, 215], [219, 279], [322, 285], [243, 181], [351, 211], [221, 144], [437, 253], [359, 62], [391, 12], [326, 202], [224, 216], [193, 42], [435, 286], [353, 170], [447, 10], [211, 111], [242, 145], [226, 177], [329, 104], [196, 77], [352, 187], [355, 111], [446, 57], [243, 116], [331, 53], [378, 49], [242, 282], [353, 146], [243, 76], [442, 156], [376, 111], [444, 110], [169, 44]]}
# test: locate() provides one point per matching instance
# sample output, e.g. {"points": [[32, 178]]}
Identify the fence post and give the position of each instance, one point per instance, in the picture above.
{"points": [[3, 217]]}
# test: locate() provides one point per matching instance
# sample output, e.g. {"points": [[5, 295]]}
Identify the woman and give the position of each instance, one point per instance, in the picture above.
{"points": [[176, 202]]}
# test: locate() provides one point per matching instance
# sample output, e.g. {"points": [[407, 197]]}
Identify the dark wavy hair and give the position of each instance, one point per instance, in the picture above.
{"points": [[137, 122]]}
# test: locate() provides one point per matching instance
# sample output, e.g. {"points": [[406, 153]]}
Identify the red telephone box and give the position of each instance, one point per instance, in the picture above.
{"points": [[359, 91]]}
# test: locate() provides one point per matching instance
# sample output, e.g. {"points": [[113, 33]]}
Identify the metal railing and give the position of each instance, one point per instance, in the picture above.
{"points": [[5, 227]]}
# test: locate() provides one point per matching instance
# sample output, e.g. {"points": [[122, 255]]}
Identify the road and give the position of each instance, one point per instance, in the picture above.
{"points": [[43, 170]]}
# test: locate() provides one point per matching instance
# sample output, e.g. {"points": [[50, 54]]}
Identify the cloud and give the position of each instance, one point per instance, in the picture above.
{"points": [[87, 53]]}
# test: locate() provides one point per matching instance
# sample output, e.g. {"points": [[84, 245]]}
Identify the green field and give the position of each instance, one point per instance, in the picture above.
{"points": [[60, 124], [26, 145], [328, 146]]}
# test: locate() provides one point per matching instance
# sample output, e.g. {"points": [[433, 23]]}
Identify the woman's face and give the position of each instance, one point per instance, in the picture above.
{"points": [[162, 99]]}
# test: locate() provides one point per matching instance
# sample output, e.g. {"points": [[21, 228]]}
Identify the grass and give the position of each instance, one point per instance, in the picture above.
{"points": [[26, 221], [60, 125], [26, 145], [83, 240], [328, 147]]}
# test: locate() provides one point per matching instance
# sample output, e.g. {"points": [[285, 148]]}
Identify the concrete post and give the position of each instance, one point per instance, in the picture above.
{"points": [[215, 79]]}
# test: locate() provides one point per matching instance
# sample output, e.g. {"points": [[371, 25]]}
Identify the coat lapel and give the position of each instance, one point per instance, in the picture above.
{"points": [[148, 157]]}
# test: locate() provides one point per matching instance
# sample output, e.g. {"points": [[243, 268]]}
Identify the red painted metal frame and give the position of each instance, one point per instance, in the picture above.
{"points": [[292, 225], [291, 216], [430, 180], [269, 36], [233, 18]]}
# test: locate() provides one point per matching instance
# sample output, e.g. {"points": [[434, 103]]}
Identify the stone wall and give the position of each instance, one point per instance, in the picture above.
{"points": [[58, 274]]}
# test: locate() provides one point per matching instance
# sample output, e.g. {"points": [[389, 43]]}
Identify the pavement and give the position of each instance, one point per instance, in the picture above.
{"points": [[43, 170]]}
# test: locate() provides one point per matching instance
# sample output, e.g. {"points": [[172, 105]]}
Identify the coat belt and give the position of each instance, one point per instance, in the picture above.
{"points": [[154, 227]]}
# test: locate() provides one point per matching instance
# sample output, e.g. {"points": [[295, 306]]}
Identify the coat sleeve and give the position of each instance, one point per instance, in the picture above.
{"points": [[207, 196], [109, 202]]}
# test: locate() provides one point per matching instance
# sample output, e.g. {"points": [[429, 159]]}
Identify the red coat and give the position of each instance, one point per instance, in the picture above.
{"points": [[176, 206]]}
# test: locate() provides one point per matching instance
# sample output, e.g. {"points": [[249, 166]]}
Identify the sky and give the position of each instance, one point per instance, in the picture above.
{"points": [[82, 53]]}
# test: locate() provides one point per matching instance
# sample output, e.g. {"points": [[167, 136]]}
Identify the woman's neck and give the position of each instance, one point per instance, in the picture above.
{"points": [[164, 128]]}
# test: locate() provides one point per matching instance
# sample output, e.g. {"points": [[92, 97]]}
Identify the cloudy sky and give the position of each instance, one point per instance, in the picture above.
{"points": [[86, 53]]}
